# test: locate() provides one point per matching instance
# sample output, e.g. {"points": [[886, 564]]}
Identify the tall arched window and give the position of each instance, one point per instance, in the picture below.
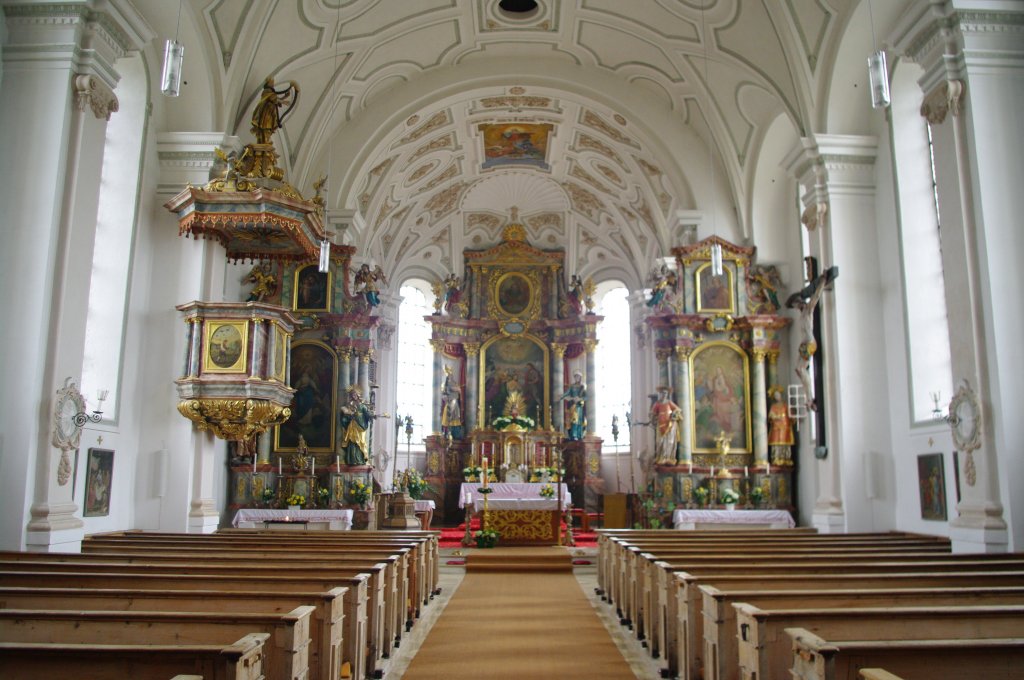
{"points": [[613, 365], [931, 375], [115, 232], [415, 361]]}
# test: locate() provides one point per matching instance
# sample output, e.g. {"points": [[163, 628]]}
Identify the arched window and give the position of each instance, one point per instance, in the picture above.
{"points": [[612, 361], [115, 232], [931, 376], [415, 362]]}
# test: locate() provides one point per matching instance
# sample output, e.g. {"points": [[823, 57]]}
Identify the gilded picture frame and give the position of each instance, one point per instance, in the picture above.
{"points": [[225, 346], [314, 407], [715, 293], [99, 473], [720, 397], [514, 364], [312, 288], [931, 481]]}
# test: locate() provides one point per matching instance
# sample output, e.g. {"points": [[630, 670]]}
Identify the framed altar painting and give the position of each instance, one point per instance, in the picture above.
{"points": [[931, 481], [315, 379], [99, 472], [721, 397], [312, 292], [514, 379], [715, 293]]}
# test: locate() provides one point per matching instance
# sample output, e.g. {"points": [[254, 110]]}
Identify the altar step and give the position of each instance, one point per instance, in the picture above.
{"points": [[519, 559]]}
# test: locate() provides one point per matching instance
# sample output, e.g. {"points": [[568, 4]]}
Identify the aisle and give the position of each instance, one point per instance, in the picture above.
{"points": [[519, 624]]}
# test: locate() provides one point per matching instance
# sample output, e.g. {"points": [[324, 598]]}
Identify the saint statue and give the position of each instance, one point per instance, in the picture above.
{"points": [[264, 280], [451, 407], [575, 401], [267, 116], [780, 429], [666, 417], [355, 421]]}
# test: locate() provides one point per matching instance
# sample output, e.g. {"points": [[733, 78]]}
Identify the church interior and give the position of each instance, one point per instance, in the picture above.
{"points": [[419, 276]]}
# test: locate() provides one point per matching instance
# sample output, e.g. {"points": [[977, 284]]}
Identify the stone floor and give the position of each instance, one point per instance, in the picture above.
{"points": [[451, 576]]}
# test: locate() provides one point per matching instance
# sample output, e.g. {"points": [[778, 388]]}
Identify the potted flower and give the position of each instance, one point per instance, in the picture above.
{"points": [[547, 491], [295, 501], [360, 493], [486, 538], [267, 496], [729, 497], [700, 495], [414, 484], [323, 497], [757, 496], [471, 473]]}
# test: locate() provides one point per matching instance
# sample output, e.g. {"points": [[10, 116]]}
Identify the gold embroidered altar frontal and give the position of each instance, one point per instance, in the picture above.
{"points": [[522, 527]]}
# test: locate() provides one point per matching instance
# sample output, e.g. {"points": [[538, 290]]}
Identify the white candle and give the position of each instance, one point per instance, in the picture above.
{"points": [[690, 467], [745, 471], [312, 466], [254, 463], [337, 461], [280, 465], [767, 468]]}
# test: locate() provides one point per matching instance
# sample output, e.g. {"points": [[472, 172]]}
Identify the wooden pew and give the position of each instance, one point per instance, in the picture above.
{"points": [[325, 626], [285, 651], [765, 651], [936, 659], [242, 660], [720, 646], [355, 649]]}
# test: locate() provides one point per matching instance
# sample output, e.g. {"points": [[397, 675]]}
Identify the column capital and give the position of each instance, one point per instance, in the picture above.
{"points": [[682, 353], [944, 99], [559, 349], [663, 353], [437, 346], [590, 346], [93, 93], [759, 355], [366, 356], [472, 348]]}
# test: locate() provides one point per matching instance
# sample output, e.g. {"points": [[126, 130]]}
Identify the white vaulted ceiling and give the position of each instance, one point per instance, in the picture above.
{"points": [[394, 92]]}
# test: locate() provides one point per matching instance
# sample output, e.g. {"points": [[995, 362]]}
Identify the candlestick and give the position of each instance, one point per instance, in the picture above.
{"points": [[337, 461], [312, 466], [690, 467], [280, 465], [767, 468], [745, 471], [712, 470], [254, 463]]}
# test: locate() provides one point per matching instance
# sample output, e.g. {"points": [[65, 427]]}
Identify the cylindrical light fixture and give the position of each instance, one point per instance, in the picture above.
{"points": [[716, 259], [325, 256], [878, 78], [170, 81]]}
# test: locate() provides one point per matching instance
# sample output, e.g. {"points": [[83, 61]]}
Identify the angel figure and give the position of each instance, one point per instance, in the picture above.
{"points": [[664, 288], [366, 284], [762, 288], [265, 282]]}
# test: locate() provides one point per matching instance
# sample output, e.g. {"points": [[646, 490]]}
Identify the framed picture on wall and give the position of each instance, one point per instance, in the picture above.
{"points": [[99, 472], [932, 483]]}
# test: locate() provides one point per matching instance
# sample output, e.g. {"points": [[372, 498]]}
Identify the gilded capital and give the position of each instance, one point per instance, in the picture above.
{"points": [[437, 345], [366, 356], [663, 354], [773, 357], [590, 346], [345, 353], [759, 355], [559, 349], [472, 348]]}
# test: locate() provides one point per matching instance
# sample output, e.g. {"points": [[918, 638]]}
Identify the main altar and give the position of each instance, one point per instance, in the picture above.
{"points": [[514, 340]]}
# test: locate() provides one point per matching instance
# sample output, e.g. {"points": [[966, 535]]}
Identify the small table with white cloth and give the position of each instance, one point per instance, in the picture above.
{"points": [[294, 520], [690, 519]]}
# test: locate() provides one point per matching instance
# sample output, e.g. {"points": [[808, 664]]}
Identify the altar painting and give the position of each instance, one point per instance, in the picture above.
{"points": [[720, 398], [515, 144], [314, 377], [714, 293], [514, 379], [931, 480]]}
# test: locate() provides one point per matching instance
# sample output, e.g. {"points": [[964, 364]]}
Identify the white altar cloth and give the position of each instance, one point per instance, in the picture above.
{"points": [[423, 506], [503, 491], [515, 504], [738, 519], [249, 518]]}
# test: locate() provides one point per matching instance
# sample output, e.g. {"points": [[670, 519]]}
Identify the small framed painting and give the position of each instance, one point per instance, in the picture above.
{"points": [[932, 483], [98, 475]]}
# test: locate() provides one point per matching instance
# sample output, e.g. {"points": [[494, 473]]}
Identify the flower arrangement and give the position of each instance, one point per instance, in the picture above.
{"points": [[295, 499], [547, 491], [729, 496], [472, 472], [268, 495], [700, 494], [486, 538], [757, 495], [360, 492], [525, 422], [323, 497], [414, 484]]}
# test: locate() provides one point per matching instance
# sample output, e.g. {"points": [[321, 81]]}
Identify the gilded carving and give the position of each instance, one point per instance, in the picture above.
{"points": [[590, 346], [522, 525], [582, 200], [592, 144], [472, 348], [434, 122], [593, 120], [233, 419], [559, 349]]}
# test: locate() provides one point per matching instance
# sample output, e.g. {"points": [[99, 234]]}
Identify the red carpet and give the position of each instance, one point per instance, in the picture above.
{"points": [[451, 537]]}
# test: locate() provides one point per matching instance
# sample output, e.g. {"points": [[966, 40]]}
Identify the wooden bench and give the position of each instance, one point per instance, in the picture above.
{"points": [[935, 659], [285, 652], [325, 626], [355, 650], [241, 660], [720, 645], [765, 651]]}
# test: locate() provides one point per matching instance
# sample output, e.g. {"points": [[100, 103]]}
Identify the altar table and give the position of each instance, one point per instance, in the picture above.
{"points": [[732, 519], [302, 519], [518, 512]]}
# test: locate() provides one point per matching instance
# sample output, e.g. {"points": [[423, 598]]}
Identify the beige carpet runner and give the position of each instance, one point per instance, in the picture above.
{"points": [[529, 619]]}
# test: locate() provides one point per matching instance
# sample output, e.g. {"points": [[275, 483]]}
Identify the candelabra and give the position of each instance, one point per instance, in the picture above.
{"points": [[81, 418]]}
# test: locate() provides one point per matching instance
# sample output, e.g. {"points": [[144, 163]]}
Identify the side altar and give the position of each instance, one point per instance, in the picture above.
{"points": [[514, 341], [723, 421]]}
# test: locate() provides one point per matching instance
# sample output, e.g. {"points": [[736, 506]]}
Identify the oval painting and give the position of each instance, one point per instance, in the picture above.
{"points": [[225, 346], [514, 294]]}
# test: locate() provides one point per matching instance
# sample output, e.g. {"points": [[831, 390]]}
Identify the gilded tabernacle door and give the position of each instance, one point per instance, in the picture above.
{"points": [[514, 383]]}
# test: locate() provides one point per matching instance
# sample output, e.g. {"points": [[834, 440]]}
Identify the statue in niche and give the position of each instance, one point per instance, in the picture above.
{"points": [[575, 401], [355, 421], [666, 417], [780, 429]]}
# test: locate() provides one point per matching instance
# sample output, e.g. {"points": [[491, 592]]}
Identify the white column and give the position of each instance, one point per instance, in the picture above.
{"points": [[558, 385], [973, 91], [759, 409], [58, 83], [682, 385]]}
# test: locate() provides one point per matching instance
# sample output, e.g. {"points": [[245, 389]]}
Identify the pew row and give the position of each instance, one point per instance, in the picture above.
{"points": [[285, 652], [935, 659], [765, 651], [241, 660]]}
